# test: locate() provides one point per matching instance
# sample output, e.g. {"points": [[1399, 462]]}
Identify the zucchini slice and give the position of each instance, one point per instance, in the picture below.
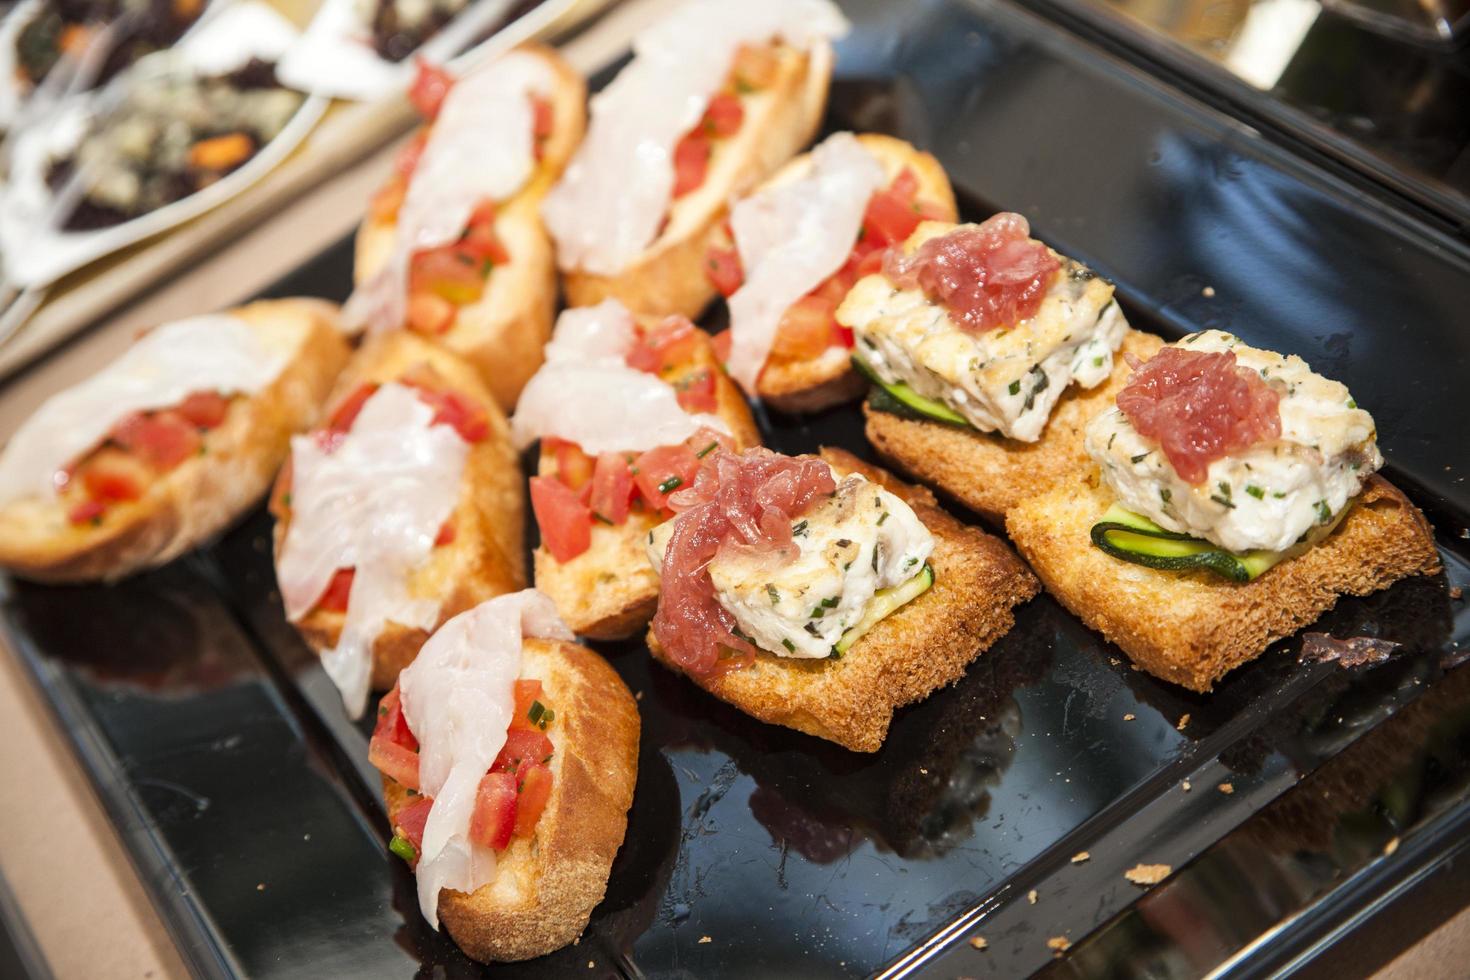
{"points": [[899, 399], [883, 604]]}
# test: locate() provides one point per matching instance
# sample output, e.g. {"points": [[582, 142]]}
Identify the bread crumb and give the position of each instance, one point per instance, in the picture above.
{"points": [[978, 942], [1059, 944], [1129, 717], [260, 887], [1080, 856], [1183, 721], [1207, 292], [1390, 847], [705, 939], [591, 964], [1031, 896], [638, 696], [1114, 661], [1186, 786], [1147, 874], [1227, 788]]}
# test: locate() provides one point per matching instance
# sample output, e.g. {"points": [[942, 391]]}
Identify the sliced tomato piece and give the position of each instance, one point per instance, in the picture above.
{"points": [[86, 512], [906, 185], [869, 265], [696, 393], [664, 470], [111, 476], [527, 694], [204, 409], [612, 488], [889, 219], [494, 818], [543, 122], [535, 791], [523, 748], [450, 272], [334, 599], [467, 416], [162, 439], [691, 163], [411, 821], [430, 85], [666, 346], [346, 413], [722, 266], [398, 762], [445, 535], [565, 521], [723, 117], [391, 724], [480, 239], [755, 66], [573, 467], [805, 330]]}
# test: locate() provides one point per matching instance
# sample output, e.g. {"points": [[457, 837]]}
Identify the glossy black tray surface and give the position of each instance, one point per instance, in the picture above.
{"points": [[1292, 802]]}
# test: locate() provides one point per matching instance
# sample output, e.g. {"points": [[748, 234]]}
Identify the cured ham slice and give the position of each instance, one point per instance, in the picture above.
{"points": [[458, 698], [481, 147], [790, 239], [217, 353], [614, 195]]}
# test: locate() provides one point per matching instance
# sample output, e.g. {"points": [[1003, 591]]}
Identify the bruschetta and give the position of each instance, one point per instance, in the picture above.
{"points": [[168, 444], [717, 97], [823, 595], [510, 811], [403, 509], [793, 249], [988, 353], [1232, 499], [625, 408], [452, 246]]}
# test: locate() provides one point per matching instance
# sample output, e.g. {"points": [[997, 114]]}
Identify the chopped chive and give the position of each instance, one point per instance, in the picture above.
{"points": [[882, 517], [707, 450], [875, 559], [400, 846], [830, 602], [1324, 513], [817, 613], [1255, 491], [1278, 495], [1015, 388], [1111, 438], [672, 483], [799, 529], [1165, 494], [812, 629], [539, 714], [1097, 362], [1224, 501], [1141, 457], [605, 520], [773, 593], [786, 642], [1352, 404]]}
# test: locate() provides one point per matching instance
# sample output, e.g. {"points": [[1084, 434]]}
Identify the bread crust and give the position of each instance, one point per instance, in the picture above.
{"points": [[204, 495], [830, 379], [609, 592], [546, 887], [989, 473], [669, 277], [486, 557], [923, 646], [503, 333], [1192, 628]]}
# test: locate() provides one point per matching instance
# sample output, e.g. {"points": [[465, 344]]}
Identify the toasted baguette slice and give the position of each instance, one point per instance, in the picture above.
{"points": [[609, 591], [812, 384], [669, 277], [201, 496], [1192, 628], [923, 646], [546, 886], [989, 473], [503, 332], [486, 557]]}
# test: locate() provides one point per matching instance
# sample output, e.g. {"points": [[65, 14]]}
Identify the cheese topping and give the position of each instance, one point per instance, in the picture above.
{"points": [[1270, 495], [374, 503], [458, 696], [207, 353], [791, 237], [587, 394], [849, 546], [481, 147], [1005, 380], [615, 193]]}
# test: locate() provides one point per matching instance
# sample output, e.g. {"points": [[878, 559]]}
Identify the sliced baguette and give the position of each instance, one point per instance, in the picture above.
{"points": [[203, 495], [989, 473], [669, 276], [924, 645], [486, 557], [1192, 628], [546, 887], [503, 332], [609, 591]]}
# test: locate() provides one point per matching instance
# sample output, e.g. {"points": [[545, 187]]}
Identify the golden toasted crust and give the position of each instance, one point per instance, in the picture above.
{"points": [[545, 888], [830, 379], [1192, 628], [921, 647], [989, 473], [669, 277], [609, 592], [487, 556], [201, 496], [503, 333]]}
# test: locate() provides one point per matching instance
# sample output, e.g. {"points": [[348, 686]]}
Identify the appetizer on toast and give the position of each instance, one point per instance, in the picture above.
{"points": [[509, 756], [792, 250], [452, 246], [717, 97], [403, 509], [1234, 499], [988, 352], [168, 444], [821, 594], [625, 409]]}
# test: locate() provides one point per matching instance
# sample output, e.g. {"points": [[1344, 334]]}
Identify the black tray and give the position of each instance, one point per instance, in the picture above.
{"points": [[220, 751]]}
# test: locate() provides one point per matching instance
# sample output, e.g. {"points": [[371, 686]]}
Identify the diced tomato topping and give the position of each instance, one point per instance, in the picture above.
{"points": [[204, 409], [755, 66], [869, 265], [523, 748], [448, 272], [891, 215], [430, 85], [411, 821], [612, 488], [391, 724], [112, 477], [445, 535], [723, 117], [691, 163], [407, 160], [543, 124], [722, 266], [805, 330], [334, 599], [534, 792], [663, 470], [565, 522], [86, 512], [468, 417], [480, 239], [527, 694], [697, 392], [494, 818], [398, 762], [162, 439], [573, 467], [669, 345], [720, 345], [906, 185], [347, 412]]}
